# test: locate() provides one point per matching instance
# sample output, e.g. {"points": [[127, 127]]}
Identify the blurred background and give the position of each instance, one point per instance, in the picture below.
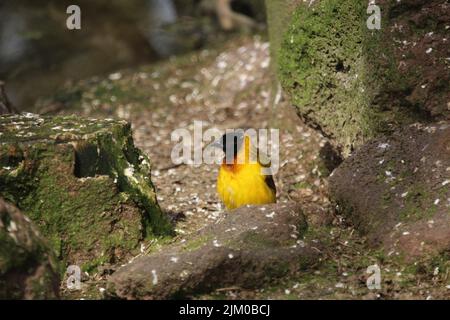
{"points": [[38, 54]]}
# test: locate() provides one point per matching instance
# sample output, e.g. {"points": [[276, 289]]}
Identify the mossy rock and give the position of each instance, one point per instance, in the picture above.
{"points": [[251, 246], [83, 182], [28, 267], [395, 190], [279, 14], [353, 83]]}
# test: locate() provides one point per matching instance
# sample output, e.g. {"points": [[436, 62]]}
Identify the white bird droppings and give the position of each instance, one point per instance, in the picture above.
{"points": [[155, 277], [270, 215]]}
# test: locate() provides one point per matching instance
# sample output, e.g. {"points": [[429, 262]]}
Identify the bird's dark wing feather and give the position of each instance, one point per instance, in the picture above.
{"points": [[271, 183], [263, 160]]}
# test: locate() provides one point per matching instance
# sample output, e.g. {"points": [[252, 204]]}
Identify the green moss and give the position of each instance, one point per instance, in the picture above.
{"points": [[303, 185], [119, 158], [321, 65], [27, 266], [441, 262], [83, 182], [343, 78], [316, 233], [418, 205], [278, 17], [92, 265], [196, 243]]}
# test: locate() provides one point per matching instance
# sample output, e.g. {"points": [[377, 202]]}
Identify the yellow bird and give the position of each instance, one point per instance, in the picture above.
{"points": [[241, 179]]}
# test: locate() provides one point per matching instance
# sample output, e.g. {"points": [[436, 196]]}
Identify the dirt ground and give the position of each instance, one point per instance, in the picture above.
{"points": [[233, 87]]}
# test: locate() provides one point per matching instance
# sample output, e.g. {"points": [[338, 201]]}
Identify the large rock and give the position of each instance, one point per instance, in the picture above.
{"points": [[353, 83], [28, 268], [396, 190], [250, 246], [279, 14], [83, 182]]}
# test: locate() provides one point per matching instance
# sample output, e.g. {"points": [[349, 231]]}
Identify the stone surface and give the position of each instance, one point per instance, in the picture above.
{"points": [[83, 182], [396, 190], [248, 247], [352, 83], [28, 268], [279, 13]]}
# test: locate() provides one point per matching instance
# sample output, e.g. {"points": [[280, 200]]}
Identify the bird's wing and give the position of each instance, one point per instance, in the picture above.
{"points": [[271, 183], [262, 158]]}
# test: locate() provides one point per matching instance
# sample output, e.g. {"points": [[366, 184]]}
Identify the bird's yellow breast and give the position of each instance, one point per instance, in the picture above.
{"points": [[243, 184]]}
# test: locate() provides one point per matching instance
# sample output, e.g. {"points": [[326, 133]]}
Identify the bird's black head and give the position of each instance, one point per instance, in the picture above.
{"points": [[230, 143]]}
